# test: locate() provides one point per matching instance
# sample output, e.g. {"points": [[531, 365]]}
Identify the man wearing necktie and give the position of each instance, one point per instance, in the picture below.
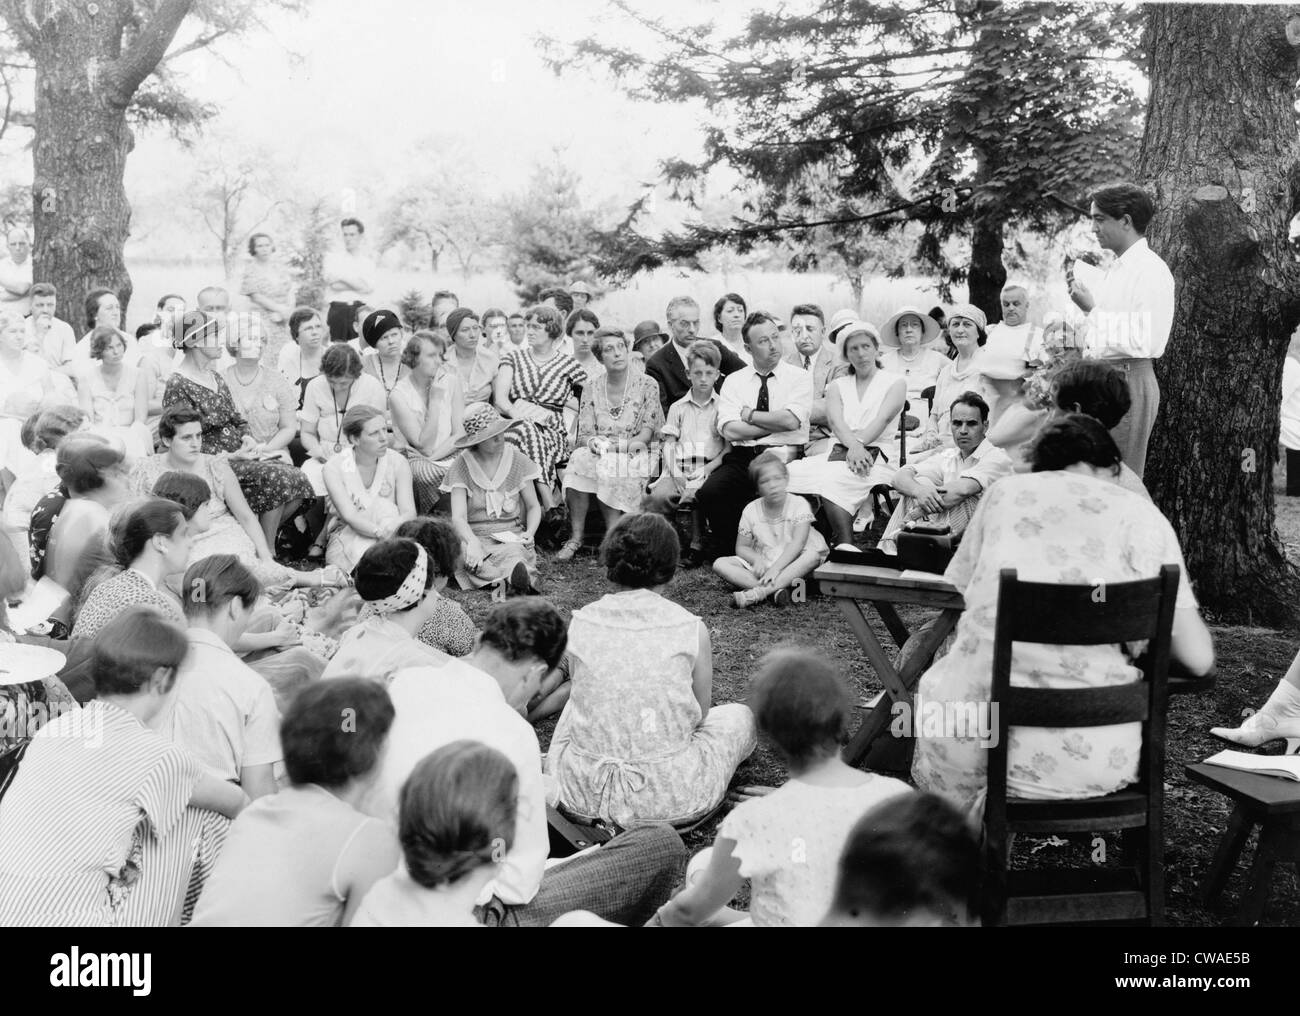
{"points": [[817, 356], [763, 407], [1131, 314]]}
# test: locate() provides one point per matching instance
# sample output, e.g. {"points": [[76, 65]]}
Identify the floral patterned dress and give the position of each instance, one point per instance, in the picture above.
{"points": [[266, 485], [632, 745], [224, 535], [546, 386], [616, 478], [261, 402], [1053, 527]]}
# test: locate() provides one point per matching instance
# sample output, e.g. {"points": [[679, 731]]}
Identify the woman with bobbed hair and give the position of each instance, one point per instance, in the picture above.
{"points": [[49, 430], [114, 394], [581, 327], [457, 821], [267, 284], [428, 410], [94, 473], [342, 385], [306, 856], [803, 708], [150, 542], [618, 419], [268, 486], [369, 486], [532, 386], [103, 310], [640, 739], [1066, 522], [228, 525], [299, 360], [123, 834], [729, 315]]}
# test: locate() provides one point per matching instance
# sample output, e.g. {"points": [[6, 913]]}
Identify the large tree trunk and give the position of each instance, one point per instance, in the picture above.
{"points": [[86, 78], [987, 273], [82, 217], [1221, 157]]}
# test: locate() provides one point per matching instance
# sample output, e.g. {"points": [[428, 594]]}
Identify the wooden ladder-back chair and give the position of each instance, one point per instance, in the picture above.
{"points": [[1083, 615]]}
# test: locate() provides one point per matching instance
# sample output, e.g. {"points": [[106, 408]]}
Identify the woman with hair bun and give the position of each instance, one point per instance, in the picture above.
{"points": [[640, 739], [150, 541], [457, 823], [1066, 522]]}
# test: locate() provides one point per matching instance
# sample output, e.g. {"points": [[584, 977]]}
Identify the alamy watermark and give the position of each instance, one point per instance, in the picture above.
{"points": [[965, 720]]}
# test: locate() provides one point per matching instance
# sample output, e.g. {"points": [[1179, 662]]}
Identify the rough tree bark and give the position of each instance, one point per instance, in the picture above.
{"points": [[987, 273], [85, 80], [1221, 156]]}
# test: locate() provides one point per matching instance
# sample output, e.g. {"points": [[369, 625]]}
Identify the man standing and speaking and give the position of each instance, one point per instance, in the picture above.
{"points": [[1132, 311]]}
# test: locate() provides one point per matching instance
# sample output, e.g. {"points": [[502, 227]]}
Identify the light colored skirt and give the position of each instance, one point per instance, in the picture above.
{"points": [[835, 481], [498, 562], [616, 478]]}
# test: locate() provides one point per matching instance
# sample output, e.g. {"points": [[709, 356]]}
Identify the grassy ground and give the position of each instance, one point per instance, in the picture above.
{"points": [[1250, 662]]}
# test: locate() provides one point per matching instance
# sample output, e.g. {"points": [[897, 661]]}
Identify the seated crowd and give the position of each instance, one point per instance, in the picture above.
{"points": [[340, 744]]}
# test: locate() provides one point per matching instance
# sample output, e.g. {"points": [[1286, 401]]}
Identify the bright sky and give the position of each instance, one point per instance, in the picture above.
{"points": [[375, 75]]}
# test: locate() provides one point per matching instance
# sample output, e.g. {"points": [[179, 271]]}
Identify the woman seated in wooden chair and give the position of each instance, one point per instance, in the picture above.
{"points": [[1066, 522]]}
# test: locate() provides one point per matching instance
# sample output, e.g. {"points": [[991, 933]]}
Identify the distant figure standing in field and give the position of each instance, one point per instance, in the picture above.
{"points": [[349, 279]]}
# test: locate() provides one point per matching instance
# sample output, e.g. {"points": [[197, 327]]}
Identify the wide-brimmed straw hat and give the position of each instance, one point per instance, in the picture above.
{"points": [[929, 326], [481, 422], [838, 320], [1002, 368]]}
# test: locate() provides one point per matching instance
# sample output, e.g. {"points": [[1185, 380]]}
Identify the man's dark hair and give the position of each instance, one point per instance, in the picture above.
{"points": [[527, 626], [563, 301], [1122, 199], [361, 228], [809, 310], [757, 318], [975, 401], [334, 731], [1094, 388], [214, 581]]}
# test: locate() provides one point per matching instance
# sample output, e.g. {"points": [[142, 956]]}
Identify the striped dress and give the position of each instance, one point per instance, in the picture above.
{"points": [[96, 829], [548, 385]]}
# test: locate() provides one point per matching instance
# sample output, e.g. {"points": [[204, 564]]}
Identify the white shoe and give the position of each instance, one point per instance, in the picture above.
{"points": [[849, 547], [1278, 720]]}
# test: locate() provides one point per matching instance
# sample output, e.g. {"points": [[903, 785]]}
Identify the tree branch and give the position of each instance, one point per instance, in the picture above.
{"points": [[150, 46], [199, 43], [16, 17]]}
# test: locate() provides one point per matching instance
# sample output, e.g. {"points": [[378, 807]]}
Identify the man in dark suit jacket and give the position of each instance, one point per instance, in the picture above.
{"points": [[668, 366]]}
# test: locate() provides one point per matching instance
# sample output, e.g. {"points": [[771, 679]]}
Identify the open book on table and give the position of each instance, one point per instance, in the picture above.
{"points": [[1285, 766]]}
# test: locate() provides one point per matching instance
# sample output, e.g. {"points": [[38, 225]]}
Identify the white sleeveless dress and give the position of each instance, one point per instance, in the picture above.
{"points": [[834, 481]]}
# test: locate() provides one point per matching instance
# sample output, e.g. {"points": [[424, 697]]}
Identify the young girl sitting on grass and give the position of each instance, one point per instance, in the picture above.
{"points": [[789, 841], [776, 544]]}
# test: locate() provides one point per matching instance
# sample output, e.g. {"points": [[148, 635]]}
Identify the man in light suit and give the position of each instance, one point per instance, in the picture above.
{"points": [[668, 366], [817, 356]]}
